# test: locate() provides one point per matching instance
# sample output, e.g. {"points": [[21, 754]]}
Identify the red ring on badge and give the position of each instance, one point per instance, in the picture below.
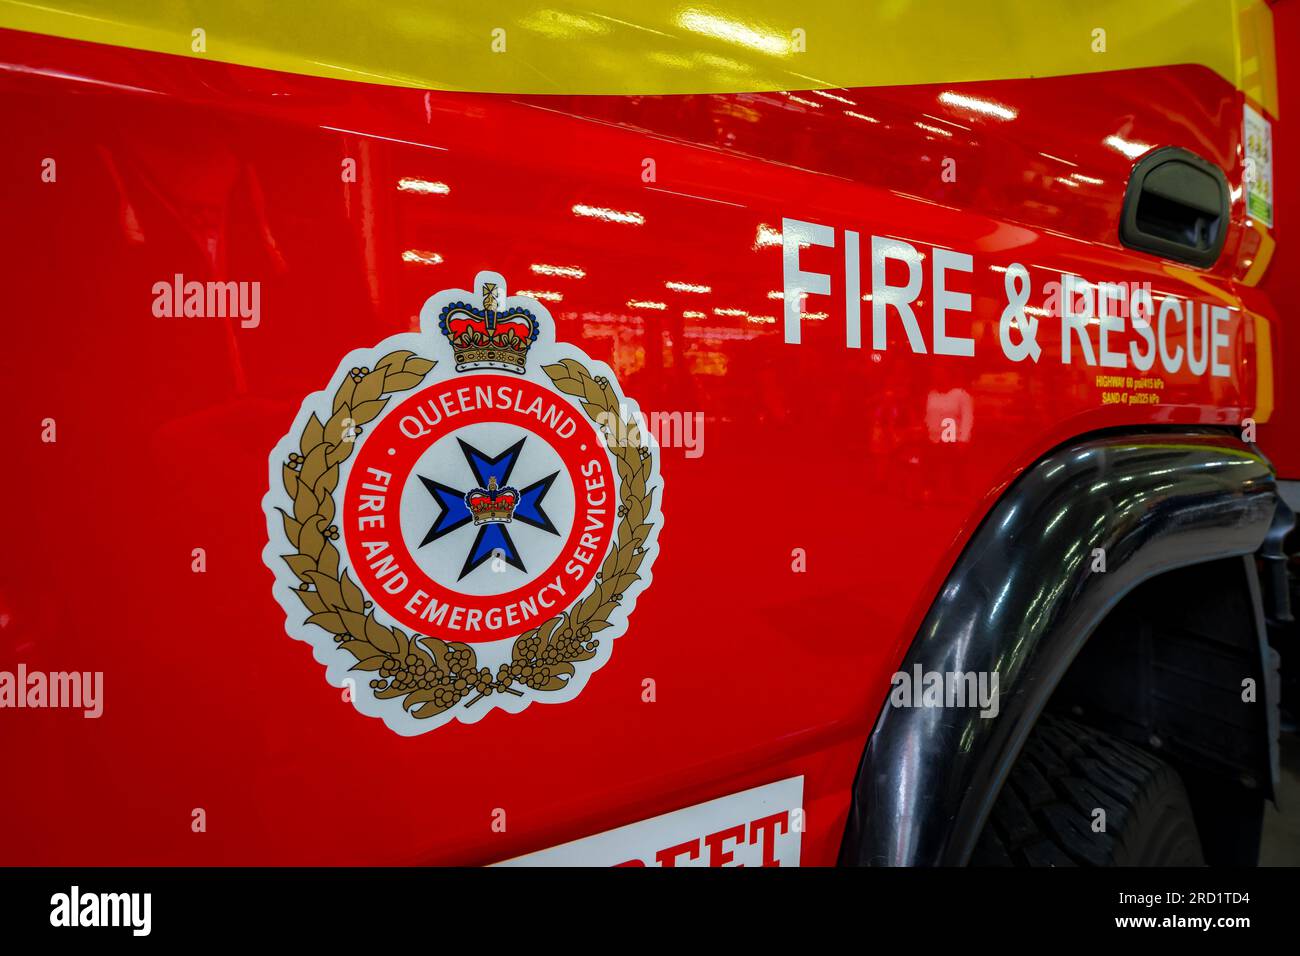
{"points": [[386, 459]]}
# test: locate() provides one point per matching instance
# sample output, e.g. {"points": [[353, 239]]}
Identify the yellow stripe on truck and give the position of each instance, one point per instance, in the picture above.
{"points": [[1263, 369], [692, 46]]}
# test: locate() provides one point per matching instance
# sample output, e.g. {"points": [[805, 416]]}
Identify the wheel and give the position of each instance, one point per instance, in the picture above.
{"points": [[1046, 812]]}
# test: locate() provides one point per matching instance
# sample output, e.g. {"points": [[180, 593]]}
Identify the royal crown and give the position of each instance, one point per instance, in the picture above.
{"points": [[486, 338], [492, 505]]}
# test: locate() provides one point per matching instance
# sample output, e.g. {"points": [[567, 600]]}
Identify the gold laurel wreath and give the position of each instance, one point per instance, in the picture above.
{"points": [[430, 674]]}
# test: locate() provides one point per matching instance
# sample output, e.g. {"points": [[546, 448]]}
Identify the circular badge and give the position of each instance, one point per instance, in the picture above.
{"points": [[463, 519]]}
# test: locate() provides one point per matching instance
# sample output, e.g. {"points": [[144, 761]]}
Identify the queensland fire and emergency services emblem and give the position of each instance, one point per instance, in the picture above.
{"points": [[463, 519]]}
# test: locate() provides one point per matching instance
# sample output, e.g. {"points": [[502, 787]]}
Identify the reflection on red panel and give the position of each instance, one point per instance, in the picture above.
{"points": [[351, 205]]}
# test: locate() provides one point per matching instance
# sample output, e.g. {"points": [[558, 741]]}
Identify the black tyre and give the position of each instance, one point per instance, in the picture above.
{"points": [[1045, 814]]}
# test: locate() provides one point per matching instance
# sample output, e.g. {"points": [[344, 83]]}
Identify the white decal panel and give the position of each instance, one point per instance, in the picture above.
{"points": [[1258, 134], [758, 827]]}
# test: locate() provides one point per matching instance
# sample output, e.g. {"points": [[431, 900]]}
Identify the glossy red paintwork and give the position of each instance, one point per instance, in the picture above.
{"points": [[1280, 438], [170, 165]]}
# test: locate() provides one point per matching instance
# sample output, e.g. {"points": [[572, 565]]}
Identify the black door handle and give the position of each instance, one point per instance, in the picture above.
{"points": [[1176, 206]]}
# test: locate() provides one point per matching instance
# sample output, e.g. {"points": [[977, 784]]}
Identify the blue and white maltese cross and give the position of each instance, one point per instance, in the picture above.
{"points": [[491, 504]]}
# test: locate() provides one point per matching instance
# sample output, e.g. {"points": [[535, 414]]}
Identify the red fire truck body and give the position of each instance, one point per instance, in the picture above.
{"points": [[917, 405]]}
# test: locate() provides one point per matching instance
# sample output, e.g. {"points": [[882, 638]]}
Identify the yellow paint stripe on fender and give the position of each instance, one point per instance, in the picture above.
{"points": [[1264, 255], [693, 46], [1263, 369]]}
